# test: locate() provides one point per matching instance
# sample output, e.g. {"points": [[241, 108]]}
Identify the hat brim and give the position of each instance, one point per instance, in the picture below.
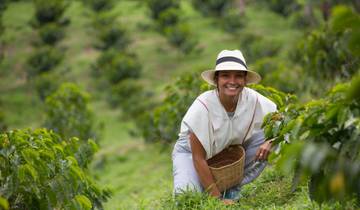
{"points": [[251, 76]]}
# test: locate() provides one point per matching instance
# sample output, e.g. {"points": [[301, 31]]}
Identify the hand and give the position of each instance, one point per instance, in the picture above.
{"points": [[228, 202], [263, 151]]}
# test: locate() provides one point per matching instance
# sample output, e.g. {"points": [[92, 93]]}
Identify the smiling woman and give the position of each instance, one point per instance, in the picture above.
{"points": [[229, 115]]}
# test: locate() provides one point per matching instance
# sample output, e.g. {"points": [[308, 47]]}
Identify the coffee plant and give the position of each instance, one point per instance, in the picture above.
{"points": [[215, 8], [68, 114], [51, 33], [158, 6], [41, 170], [43, 60], [49, 11], [320, 141], [99, 5], [332, 51]]}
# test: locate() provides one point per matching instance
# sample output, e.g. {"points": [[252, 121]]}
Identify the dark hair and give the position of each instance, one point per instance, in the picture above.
{"points": [[216, 76]]}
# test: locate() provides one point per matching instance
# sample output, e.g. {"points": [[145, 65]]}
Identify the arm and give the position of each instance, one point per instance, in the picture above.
{"points": [[201, 166]]}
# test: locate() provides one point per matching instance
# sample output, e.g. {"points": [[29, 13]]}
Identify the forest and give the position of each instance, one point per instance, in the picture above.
{"points": [[92, 94]]}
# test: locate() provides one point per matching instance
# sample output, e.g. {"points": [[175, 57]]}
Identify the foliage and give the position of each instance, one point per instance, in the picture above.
{"points": [[278, 74], [50, 11], [68, 114], [113, 36], [51, 33], [324, 143], [215, 8], [258, 46], [168, 17], [117, 66], [333, 50], [158, 6], [99, 5], [46, 83], [40, 170], [233, 20], [282, 7], [43, 60], [180, 36]]}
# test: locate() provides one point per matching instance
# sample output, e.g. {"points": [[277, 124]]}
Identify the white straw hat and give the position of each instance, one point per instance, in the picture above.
{"points": [[232, 60]]}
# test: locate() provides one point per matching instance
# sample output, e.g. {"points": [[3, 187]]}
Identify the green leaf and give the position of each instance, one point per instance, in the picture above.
{"points": [[4, 204], [83, 201]]}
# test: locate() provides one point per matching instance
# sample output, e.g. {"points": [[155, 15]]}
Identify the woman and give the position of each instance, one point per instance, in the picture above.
{"points": [[229, 115]]}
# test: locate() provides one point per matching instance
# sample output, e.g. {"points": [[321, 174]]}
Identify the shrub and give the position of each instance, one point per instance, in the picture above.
{"points": [[40, 170], [46, 83], [283, 7], [49, 11], [180, 36], [212, 7], [168, 17], [232, 20], [51, 33], [68, 114], [331, 52], [320, 141], [257, 46], [117, 66], [113, 36], [158, 6], [43, 60], [99, 5]]}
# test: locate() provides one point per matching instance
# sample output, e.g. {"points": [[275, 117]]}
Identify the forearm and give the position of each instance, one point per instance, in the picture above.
{"points": [[205, 176]]}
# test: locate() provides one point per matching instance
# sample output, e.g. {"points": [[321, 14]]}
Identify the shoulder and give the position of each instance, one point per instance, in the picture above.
{"points": [[263, 101]]}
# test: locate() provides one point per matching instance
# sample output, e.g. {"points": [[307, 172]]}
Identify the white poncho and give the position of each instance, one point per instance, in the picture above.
{"points": [[209, 121]]}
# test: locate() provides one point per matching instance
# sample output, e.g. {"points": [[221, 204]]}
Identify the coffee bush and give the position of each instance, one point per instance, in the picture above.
{"points": [[46, 83], [41, 170], [158, 6], [43, 60], [68, 114], [99, 5], [215, 8], [113, 36], [50, 11], [117, 66], [180, 36], [168, 17], [51, 33]]}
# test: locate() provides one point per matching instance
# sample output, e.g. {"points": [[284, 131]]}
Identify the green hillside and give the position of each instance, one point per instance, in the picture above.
{"points": [[139, 173]]}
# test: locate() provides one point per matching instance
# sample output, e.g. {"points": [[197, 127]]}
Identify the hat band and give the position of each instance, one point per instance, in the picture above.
{"points": [[234, 59]]}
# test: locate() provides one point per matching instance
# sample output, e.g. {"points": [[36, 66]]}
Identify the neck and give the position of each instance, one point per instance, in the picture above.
{"points": [[229, 103]]}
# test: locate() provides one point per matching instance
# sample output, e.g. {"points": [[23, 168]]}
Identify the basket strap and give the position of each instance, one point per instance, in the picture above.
{"points": [[252, 120], [203, 104]]}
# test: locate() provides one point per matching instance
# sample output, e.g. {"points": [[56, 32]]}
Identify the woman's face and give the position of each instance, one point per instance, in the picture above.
{"points": [[231, 83]]}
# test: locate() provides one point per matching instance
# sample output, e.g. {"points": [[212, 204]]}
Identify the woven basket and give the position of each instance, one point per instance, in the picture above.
{"points": [[227, 167]]}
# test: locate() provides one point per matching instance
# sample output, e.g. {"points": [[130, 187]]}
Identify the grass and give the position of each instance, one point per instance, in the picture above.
{"points": [[138, 173]]}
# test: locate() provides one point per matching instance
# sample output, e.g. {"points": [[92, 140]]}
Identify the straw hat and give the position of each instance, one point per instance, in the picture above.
{"points": [[230, 60]]}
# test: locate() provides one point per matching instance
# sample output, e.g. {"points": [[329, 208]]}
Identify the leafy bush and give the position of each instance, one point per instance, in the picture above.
{"points": [[99, 5], [212, 7], [113, 36], [158, 6], [180, 36], [68, 114], [40, 170], [50, 11], [232, 20], [324, 143], [168, 17], [278, 74], [258, 46], [282, 7], [46, 83], [117, 66], [51, 33], [43, 60], [331, 51]]}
